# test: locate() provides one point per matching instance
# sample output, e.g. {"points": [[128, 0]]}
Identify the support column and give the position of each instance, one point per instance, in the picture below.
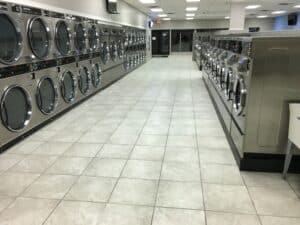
{"points": [[237, 16]]}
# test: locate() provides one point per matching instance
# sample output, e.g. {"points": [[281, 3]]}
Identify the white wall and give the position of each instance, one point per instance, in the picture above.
{"points": [[264, 24], [91, 8]]}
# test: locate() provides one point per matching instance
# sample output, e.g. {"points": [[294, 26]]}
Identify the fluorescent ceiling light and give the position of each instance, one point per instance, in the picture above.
{"points": [[252, 6], [166, 19], [162, 15], [192, 0], [147, 1], [112, 0], [297, 6], [227, 17], [262, 16], [191, 9], [190, 14], [156, 9], [189, 18], [278, 12]]}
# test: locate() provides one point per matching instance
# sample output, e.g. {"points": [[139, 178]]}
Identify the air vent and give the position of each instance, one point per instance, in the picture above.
{"points": [[170, 13], [265, 10], [284, 3]]}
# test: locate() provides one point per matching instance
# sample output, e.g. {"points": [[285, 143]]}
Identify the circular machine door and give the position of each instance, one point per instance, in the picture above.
{"points": [[228, 84], [39, 38], [47, 95], [84, 80], [240, 95], [62, 38], [93, 37], [96, 75], [16, 108], [113, 51], [10, 40], [79, 37], [68, 86], [222, 78], [120, 50], [105, 52]]}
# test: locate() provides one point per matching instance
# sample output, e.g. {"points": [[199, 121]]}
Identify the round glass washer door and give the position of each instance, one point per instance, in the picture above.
{"points": [[62, 38], [47, 95], [16, 108], [105, 52], [84, 80], [68, 86], [79, 37], [96, 75], [92, 37], [10, 40], [39, 38]]}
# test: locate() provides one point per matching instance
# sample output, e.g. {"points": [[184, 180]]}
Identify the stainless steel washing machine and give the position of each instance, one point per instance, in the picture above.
{"points": [[63, 36], [96, 74], [93, 36], [80, 35], [27, 100], [83, 72], [26, 35], [113, 46], [104, 46]]}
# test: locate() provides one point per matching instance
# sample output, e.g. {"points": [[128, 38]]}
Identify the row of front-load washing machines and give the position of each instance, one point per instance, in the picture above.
{"points": [[252, 78], [50, 61]]}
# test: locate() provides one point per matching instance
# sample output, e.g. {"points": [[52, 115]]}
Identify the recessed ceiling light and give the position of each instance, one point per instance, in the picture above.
{"points": [[156, 9], [191, 9], [252, 6], [297, 6], [227, 17], [262, 16], [189, 18], [192, 0], [190, 14], [162, 15], [166, 19], [147, 1], [278, 12]]}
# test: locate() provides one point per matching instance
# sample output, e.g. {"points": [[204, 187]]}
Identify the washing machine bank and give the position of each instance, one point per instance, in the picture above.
{"points": [[49, 62]]}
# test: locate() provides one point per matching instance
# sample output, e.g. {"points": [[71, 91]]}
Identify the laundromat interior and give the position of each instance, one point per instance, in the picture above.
{"points": [[150, 112]]}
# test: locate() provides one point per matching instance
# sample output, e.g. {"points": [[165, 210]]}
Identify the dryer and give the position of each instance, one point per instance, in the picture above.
{"points": [[83, 72], [96, 74], [93, 36], [63, 35], [113, 46], [80, 35], [104, 47], [26, 36]]}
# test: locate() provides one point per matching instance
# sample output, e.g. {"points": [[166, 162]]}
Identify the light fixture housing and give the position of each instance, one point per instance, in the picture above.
{"points": [[162, 15], [278, 12], [190, 14], [156, 9], [191, 9], [252, 6], [147, 1], [262, 16]]}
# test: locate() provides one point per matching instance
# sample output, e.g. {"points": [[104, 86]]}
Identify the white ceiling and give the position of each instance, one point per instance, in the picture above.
{"points": [[213, 9]]}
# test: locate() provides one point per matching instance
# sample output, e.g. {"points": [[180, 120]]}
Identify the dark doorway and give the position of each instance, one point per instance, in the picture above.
{"points": [[182, 40], [160, 42]]}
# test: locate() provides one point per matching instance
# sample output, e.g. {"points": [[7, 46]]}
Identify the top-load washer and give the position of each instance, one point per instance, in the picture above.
{"points": [[26, 35]]}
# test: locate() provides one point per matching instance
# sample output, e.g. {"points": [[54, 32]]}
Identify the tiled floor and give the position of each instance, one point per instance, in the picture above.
{"points": [[147, 150]]}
